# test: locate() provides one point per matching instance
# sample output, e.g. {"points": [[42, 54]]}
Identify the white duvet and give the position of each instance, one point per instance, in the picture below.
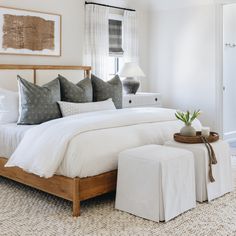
{"points": [[88, 144]]}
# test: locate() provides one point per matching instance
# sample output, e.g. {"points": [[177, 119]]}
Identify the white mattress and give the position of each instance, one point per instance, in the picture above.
{"points": [[10, 137]]}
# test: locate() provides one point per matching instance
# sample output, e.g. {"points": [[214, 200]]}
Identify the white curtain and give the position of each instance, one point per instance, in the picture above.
{"points": [[130, 43], [97, 39]]}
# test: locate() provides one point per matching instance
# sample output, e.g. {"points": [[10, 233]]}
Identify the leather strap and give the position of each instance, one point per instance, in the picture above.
{"points": [[212, 157]]}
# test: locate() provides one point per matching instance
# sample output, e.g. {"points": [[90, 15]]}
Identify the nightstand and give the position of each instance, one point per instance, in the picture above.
{"points": [[142, 100]]}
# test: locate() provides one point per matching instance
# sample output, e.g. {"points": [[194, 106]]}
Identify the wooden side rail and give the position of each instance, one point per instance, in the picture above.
{"points": [[72, 189]]}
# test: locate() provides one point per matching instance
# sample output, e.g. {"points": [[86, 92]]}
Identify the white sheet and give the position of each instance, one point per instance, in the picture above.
{"points": [[88, 144], [10, 136]]}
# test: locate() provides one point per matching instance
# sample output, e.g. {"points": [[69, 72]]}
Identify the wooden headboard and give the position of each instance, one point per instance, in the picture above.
{"points": [[34, 71]]}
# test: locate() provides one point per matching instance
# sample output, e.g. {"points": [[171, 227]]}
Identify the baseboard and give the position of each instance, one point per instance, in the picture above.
{"points": [[230, 136]]}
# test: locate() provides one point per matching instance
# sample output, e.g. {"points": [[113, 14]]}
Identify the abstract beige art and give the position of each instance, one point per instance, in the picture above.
{"points": [[32, 33], [29, 32]]}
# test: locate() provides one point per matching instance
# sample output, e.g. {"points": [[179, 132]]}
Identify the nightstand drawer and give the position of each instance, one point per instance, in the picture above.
{"points": [[141, 100]]}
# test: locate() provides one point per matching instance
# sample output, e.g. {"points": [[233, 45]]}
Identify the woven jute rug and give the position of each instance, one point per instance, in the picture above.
{"points": [[26, 211]]}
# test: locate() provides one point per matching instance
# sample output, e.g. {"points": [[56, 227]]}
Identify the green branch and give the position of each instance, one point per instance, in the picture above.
{"points": [[187, 117]]}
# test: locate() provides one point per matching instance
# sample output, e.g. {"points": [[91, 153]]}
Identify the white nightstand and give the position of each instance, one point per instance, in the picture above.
{"points": [[142, 100]]}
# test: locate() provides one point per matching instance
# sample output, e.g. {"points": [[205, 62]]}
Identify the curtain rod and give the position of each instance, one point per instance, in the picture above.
{"points": [[104, 5]]}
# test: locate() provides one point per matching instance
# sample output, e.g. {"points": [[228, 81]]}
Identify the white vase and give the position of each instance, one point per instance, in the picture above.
{"points": [[188, 130]]}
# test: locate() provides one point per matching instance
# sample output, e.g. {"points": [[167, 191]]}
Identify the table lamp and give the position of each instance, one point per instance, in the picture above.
{"points": [[131, 71]]}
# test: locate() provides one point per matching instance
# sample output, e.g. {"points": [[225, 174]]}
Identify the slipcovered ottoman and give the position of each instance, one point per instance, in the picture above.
{"points": [[222, 171], [155, 182]]}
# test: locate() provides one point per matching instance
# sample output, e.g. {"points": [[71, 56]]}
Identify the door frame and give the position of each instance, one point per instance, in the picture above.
{"points": [[219, 63]]}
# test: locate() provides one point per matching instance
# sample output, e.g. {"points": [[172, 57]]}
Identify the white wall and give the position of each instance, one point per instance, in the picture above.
{"points": [[72, 12], [177, 4], [176, 47], [229, 71], [182, 61]]}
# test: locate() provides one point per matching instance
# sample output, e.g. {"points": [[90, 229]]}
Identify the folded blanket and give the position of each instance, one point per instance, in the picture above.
{"points": [[43, 147]]}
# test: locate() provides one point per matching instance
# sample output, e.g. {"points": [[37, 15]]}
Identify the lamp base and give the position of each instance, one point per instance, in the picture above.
{"points": [[131, 85]]}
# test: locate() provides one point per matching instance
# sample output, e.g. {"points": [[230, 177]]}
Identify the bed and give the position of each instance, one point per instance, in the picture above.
{"points": [[89, 163]]}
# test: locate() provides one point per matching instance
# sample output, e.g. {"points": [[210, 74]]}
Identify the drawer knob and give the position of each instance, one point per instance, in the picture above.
{"points": [[156, 99], [130, 101]]}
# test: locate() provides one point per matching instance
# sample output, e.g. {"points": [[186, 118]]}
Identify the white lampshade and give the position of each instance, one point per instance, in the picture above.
{"points": [[131, 69]]}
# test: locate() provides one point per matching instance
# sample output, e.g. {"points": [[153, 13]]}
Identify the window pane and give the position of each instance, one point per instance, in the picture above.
{"points": [[111, 66], [120, 63]]}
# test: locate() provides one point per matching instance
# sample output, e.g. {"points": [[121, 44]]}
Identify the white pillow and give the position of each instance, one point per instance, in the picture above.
{"points": [[70, 108], [9, 106]]}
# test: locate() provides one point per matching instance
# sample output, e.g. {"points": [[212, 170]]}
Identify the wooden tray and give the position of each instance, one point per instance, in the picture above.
{"points": [[196, 139]]}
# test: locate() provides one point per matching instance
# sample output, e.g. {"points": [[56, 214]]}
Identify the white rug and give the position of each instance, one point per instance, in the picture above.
{"points": [[25, 211]]}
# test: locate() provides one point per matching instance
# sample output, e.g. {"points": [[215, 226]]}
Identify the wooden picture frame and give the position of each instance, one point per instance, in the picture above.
{"points": [[26, 32]]}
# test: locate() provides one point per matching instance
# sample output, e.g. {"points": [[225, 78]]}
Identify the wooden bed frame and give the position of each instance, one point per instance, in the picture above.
{"points": [[72, 189]]}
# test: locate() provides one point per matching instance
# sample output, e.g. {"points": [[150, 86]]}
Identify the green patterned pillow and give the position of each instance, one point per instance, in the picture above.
{"points": [[104, 90], [38, 104], [79, 93]]}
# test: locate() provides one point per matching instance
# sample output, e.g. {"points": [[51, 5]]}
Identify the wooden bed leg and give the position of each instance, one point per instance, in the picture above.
{"points": [[76, 198]]}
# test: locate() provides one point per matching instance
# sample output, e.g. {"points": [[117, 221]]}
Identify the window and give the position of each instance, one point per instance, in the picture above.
{"points": [[113, 65], [115, 44]]}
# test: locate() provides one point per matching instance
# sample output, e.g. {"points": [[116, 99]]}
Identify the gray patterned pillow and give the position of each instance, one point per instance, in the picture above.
{"points": [[38, 104], [104, 90], [80, 92]]}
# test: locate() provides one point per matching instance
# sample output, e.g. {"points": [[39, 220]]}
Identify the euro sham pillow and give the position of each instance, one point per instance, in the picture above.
{"points": [[38, 104], [104, 90], [80, 92], [9, 106], [70, 108]]}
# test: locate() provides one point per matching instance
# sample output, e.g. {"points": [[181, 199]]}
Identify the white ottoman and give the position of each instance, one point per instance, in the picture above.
{"points": [[222, 171], [156, 182]]}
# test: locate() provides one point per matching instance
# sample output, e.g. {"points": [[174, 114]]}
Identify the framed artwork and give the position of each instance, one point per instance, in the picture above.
{"points": [[27, 32]]}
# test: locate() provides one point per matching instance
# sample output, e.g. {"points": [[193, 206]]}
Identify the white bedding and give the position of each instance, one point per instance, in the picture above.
{"points": [[10, 136], [88, 144]]}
